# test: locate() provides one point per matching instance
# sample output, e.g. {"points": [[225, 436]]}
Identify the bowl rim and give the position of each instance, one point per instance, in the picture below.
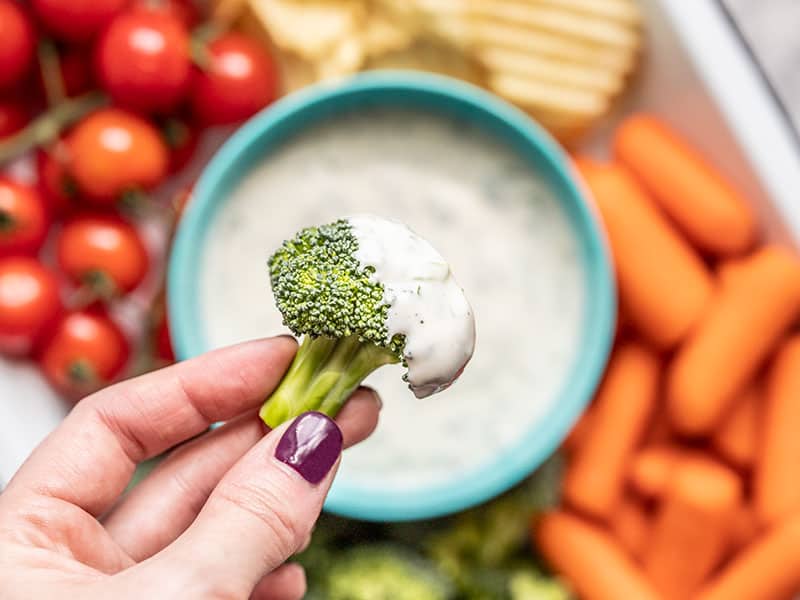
{"points": [[541, 440]]}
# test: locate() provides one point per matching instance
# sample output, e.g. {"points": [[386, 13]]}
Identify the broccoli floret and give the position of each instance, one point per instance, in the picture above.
{"points": [[491, 534], [385, 572], [327, 293], [476, 551], [530, 584]]}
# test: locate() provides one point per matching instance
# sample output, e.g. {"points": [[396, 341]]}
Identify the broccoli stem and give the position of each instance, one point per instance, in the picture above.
{"points": [[323, 374]]}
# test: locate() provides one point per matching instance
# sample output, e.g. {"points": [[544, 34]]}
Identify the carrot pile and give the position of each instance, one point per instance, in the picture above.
{"points": [[683, 476]]}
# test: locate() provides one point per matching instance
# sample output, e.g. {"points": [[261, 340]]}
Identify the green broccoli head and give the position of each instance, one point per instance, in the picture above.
{"points": [[385, 572], [321, 289], [365, 292]]}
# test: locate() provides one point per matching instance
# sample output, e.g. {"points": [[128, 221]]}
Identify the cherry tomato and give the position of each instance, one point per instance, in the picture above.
{"points": [[240, 79], [85, 351], [29, 303], [143, 60], [184, 10], [76, 72], [23, 219], [14, 116], [103, 252], [77, 20], [113, 152], [182, 139], [55, 183], [17, 42]]}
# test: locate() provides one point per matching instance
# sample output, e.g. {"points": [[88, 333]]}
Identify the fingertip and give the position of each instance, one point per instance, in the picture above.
{"points": [[285, 338], [373, 393], [287, 582]]}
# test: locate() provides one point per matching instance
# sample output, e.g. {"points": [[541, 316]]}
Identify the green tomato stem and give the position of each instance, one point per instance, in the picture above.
{"points": [[48, 127]]}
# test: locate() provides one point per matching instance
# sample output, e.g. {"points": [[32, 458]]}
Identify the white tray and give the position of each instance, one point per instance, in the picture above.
{"points": [[697, 74]]}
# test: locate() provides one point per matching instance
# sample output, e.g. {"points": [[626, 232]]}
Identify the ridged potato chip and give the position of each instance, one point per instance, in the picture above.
{"points": [[563, 61]]}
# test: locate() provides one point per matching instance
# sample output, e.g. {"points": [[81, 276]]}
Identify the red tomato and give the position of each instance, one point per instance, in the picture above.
{"points": [[143, 60], [77, 20], [29, 303], [85, 351], [113, 152], [240, 79], [14, 116], [184, 10], [103, 252], [23, 219], [16, 43], [182, 139], [76, 72], [55, 183]]}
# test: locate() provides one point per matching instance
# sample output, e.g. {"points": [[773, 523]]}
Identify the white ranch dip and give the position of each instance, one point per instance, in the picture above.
{"points": [[509, 244], [426, 304]]}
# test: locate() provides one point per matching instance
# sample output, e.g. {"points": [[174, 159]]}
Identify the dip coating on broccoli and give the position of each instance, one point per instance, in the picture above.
{"points": [[365, 292]]}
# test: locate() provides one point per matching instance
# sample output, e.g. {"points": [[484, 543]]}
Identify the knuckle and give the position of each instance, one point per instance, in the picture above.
{"points": [[272, 508]]}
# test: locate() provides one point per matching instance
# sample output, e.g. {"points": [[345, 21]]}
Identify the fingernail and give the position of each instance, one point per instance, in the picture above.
{"points": [[311, 445]]}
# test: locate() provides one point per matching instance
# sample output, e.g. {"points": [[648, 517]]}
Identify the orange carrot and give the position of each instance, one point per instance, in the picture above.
{"points": [[590, 559], [744, 527], [631, 526], [692, 530], [663, 284], [777, 477], [745, 322], [660, 430], [651, 469], [729, 270], [596, 474], [578, 432], [698, 199], [736, 438], [768, 569]]}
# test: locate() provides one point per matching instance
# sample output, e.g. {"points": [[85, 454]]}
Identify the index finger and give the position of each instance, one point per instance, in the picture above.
{"points": [[89, 459]]}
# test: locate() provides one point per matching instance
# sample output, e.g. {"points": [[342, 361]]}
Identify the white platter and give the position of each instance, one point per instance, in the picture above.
{"points": [[697, 74]]}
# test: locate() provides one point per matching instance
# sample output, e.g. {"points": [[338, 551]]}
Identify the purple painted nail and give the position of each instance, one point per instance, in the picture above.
{"points": [[310, 445]]}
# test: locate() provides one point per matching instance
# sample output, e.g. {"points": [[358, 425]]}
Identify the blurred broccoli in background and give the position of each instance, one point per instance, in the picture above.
{"points": [[385, 572], [481, 554]]}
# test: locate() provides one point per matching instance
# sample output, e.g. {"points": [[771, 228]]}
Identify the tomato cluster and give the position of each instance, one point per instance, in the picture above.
{"points": [[70, 245]]}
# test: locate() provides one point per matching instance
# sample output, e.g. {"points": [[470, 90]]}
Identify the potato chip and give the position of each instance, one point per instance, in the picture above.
{"points": [[562, 61], [309, 28]]}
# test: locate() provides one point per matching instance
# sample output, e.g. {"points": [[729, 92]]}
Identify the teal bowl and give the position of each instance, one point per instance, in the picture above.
{"points": [[440, 95]]}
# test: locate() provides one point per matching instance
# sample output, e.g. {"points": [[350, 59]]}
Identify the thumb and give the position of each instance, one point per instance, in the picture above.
{"points": [[262, 511]]}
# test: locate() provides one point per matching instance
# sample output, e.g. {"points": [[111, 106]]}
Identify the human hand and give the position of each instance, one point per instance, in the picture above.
{"points": [[216, 519]]}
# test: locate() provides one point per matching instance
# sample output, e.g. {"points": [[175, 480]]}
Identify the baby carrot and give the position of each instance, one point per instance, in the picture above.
{"points": [[651, 469], [663, 284], [751, 312], [578, 432], [744, 527], [777, 483], [692, 530], [631, 526], [590, 559], [660, 430], [596, 474], [768, 569], [711, 213], [736, 438]]}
